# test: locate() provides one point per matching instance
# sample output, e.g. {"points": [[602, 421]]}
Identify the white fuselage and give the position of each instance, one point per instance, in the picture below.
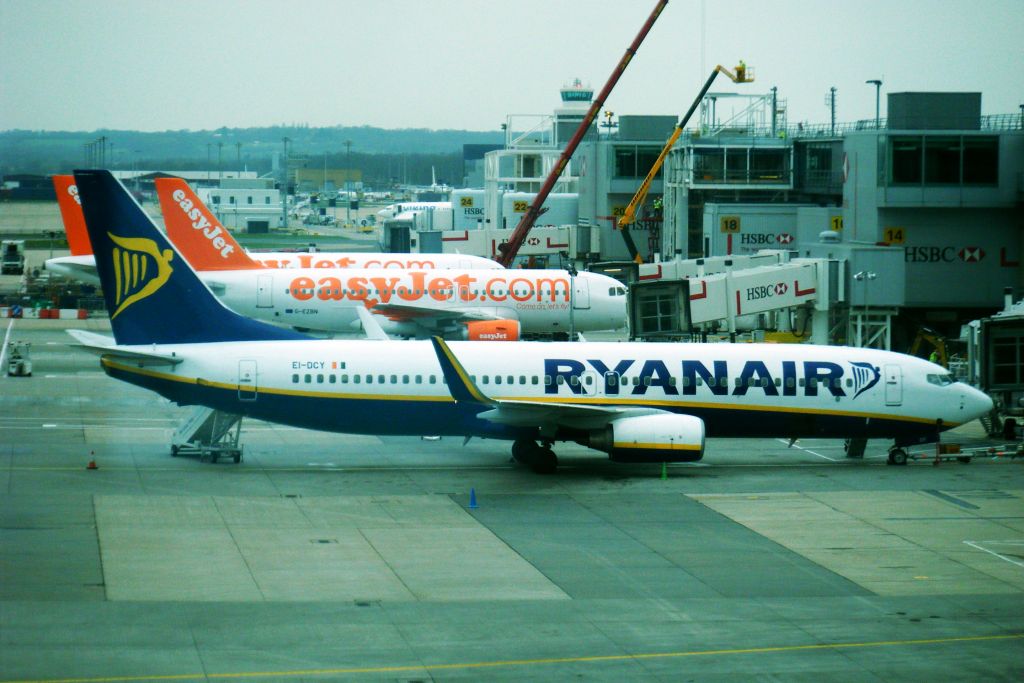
{"points": [[354, 259], [539, 300], [737, 390]]}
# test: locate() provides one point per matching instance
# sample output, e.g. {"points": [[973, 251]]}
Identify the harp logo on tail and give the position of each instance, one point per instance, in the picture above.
{"points": [[139, 270]]}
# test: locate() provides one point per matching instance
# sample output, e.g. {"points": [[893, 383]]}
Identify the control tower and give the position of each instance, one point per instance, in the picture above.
{"points": [[576, 99]]}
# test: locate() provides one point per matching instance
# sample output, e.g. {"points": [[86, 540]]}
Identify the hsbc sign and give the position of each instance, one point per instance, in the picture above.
{"points": [[943, 254], [765, 239], [971, 254], [765, 291]]}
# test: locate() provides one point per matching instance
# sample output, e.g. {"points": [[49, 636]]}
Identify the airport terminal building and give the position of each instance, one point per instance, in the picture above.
{"points": [[936, 180]]}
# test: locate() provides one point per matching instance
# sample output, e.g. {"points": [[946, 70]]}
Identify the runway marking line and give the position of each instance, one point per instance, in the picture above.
{"points": [[528, 662], [807, 450], [977, 545]]}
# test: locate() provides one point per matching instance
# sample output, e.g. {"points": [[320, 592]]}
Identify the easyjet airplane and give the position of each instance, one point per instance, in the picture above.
{"points": [[638, 402], [412, 302], [188, 220], [185, 214]]}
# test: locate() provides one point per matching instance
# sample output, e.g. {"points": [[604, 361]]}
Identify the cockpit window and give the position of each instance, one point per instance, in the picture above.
{"points": [[616, 291], [940, 380]]}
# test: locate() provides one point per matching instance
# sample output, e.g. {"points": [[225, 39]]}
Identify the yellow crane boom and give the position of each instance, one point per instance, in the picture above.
{"points": [[742, 75]]}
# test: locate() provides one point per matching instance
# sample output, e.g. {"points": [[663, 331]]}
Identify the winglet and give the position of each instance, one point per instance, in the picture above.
{"points": [[371, 327], [461, 386], [71, 214], [199, 236]]}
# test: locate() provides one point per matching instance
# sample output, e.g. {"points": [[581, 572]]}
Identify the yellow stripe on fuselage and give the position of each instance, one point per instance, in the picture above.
{"points": [[658, 446]]}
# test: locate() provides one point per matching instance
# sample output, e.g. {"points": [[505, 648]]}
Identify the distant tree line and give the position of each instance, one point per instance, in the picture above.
{"points": [[384, 156]]}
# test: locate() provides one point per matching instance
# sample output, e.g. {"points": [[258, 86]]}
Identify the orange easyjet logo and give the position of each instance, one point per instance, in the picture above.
{"points": [[317, 261], [202, 224], [374, 290]]}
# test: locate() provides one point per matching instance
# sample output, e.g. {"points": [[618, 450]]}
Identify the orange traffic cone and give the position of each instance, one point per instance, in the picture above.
{"points": [[92, 461]]}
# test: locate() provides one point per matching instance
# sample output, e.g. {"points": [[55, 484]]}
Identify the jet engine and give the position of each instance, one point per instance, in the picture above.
{"points": [[492, 330], [651, 438]]}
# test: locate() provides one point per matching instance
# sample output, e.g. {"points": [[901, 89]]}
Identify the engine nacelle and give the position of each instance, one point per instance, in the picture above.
{"points": [[652, 438], [492, 330]]}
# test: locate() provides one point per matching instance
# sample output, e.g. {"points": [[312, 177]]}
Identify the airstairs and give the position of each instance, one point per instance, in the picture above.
{"points": [[210, 434]]}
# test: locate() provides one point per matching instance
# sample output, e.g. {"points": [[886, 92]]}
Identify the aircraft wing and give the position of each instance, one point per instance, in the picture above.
{"points": [[81, 268], [107, 347], [425, 314], [526, 413], [544, 413]]}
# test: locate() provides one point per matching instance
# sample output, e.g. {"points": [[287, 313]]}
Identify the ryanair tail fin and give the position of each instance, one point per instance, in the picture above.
{"points": [[71, 214], [196, 232], [152, 295]]}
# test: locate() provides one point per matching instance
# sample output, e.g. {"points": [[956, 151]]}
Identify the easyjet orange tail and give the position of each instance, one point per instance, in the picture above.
{"points": [[196, 232], [71, 213]]}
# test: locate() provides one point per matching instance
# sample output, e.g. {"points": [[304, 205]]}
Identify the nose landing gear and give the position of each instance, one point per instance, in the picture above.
{"points": [[897, 456]]}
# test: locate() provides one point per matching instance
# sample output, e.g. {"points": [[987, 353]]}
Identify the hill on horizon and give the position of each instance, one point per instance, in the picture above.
{"points": [[390, 152]]}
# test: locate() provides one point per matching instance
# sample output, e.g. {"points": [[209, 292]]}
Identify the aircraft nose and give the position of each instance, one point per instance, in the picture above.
{"points": [[976, 403]]}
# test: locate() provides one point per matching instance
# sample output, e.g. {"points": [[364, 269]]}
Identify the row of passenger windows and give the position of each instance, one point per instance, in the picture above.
{"points": [[548, 380]]}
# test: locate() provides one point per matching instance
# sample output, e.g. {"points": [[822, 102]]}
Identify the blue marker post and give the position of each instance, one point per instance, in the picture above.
{"points": [[472, 499]]}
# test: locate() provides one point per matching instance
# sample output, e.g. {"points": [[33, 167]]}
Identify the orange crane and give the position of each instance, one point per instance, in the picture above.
{"points": [[511, 248], [743, 75]]}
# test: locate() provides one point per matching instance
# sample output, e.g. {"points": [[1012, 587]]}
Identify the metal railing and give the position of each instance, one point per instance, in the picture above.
{"points": [[988, 122]]}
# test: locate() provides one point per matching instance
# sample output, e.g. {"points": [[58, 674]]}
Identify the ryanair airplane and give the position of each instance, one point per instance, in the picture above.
{"points": [[637, 402]]}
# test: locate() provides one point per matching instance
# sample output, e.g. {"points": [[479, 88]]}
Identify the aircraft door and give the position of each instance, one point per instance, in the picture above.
{"points": [[611, 383], [580, 293], [264, 291], [246, 380], [893, 385]]}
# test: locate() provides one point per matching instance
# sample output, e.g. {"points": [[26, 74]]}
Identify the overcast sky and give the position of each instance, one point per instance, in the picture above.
{"points": [[158, 65]]}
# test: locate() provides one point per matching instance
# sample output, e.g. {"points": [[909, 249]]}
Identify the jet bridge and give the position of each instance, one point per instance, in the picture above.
{"points": [[684, 298]]}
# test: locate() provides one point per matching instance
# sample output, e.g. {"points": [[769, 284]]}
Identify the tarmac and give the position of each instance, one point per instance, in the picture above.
{"points": [[324, 557]]}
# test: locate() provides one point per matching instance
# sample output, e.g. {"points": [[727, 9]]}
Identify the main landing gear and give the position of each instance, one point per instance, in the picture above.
{"points": [[897, 456], [538, 457]]}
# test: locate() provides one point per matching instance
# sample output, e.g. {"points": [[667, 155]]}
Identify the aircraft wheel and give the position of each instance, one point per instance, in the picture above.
{"points": [[545, 461], [174, 451], [521, 449], [897, 456]]}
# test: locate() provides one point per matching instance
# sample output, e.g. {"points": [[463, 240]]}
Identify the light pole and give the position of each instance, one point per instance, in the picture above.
{"points": [[830, 102], [878, 96], [284, 185], [864, 276], [348, 171]]}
